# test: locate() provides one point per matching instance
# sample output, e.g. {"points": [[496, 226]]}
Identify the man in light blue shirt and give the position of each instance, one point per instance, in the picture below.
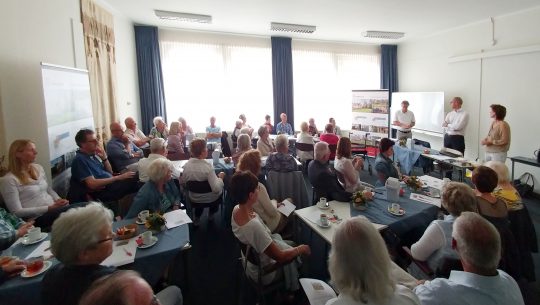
{"points": [[478, 245], [213, 132], [284, 127]]}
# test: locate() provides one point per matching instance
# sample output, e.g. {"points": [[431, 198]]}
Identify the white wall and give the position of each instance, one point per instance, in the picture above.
{"points": [[511, 80], [41, 31]]}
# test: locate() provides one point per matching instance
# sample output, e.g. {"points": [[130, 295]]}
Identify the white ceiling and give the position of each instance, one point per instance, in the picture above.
{"points": [[336, 20]]}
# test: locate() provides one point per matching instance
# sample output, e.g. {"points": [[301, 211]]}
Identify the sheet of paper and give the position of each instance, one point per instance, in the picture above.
{"points": [[426, 199], [121, 253], [317, 291], [176, 218], [432, 181], [42, 250], [286, 208]]}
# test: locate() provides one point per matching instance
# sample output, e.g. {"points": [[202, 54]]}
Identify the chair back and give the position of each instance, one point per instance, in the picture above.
{"points": [[304, 147], [288, 185], [200, 187]]}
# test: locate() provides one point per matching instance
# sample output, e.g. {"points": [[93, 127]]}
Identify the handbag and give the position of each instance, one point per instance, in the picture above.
{"points": [[524, 184]]}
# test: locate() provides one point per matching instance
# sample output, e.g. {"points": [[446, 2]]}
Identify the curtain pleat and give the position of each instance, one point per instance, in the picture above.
{"points": [[282, 76], [389, 76]]}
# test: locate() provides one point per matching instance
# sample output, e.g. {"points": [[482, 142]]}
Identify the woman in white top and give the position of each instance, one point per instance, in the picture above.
{"points": [[348, 169], [250, 230], [360, 267], [264, 144], [304, 137], [25, 189], [436, 243]]}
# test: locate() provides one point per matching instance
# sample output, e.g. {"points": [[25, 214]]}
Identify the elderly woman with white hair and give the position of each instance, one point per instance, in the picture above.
{"points": [[505, 190], [175, 147], [361, 268], [159, 194], [159, 130], [244, 144], [304, 137], [281, 161]]}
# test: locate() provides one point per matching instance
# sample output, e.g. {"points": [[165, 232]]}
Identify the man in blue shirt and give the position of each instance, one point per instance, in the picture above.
{"points": [[123, 154], [283, 126], [478, 245], [91, 173]]}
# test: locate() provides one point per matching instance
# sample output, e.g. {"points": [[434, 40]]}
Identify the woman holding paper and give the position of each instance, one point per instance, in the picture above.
{"points": [[266, 208]]}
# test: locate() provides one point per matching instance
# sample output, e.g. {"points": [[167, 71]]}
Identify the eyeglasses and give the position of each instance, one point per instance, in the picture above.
{"points": [[113, 235]]}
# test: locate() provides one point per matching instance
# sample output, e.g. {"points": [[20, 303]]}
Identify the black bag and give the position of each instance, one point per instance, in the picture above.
{"points": [[524, 184]]}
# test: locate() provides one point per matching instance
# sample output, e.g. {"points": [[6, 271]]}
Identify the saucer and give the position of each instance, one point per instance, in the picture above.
{"points": [[154, 241], [318, 222], [25, 240], [46, 265], [400, 213], [139, 222], [323, 207]]}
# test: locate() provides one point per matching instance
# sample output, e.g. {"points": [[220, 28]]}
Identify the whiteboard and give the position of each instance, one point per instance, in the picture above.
{"points": [[428, 109]]}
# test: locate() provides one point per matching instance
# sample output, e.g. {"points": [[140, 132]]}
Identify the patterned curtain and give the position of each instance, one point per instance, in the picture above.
{"points": [[100, 59]]}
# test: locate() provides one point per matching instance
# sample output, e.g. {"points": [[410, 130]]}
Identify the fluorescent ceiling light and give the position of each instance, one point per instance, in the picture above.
{"points": [[295, 28], [383, 35], [183, 16]]}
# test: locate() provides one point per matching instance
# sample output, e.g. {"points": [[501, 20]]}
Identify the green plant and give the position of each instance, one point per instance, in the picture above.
{"points": [[155, 221]]}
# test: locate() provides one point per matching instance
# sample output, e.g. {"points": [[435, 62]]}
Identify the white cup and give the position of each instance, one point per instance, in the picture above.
{"points": [[395, 207], [322, 202], [144, 214], [34, 234], [147, 237], [324, 220]]}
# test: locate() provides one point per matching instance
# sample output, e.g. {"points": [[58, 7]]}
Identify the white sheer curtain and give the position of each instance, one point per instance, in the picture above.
{"points": [[325, 74], [216, 75]]}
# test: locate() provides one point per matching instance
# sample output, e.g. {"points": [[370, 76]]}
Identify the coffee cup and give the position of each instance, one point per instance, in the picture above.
{"points": [[395, 207], [34, 234], [324, 220], [144, 214], [147, 237], [323, 203]]}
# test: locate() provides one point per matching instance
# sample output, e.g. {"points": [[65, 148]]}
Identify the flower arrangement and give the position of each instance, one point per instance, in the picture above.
{"points": [[403, 142], [414, 183], [155, 221], [359, 200]]}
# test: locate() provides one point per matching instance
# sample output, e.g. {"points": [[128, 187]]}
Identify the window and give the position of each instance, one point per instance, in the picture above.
{"points": [[325, 74], [216, 75]]}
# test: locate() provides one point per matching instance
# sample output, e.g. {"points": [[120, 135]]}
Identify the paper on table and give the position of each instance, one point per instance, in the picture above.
{"points": [[44, 249], [176, 218], [317, 291], [120, 256], [426, 199], [286, 208], [432, 181]]}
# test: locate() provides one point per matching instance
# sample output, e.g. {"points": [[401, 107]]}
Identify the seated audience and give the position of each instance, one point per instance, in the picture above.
{"points": [[304, 137], [213, 133], [330, 137], [185, 131], [478, 245], [127, 287], [384, 166], [284, 127], [198, 169], [245, 126], [281, 161], [134, 134], [335, 128], [268, 124], [505, 190], [175, 147], [122, 153], [349, 169], [322, 178], [25, 189], [11, 229], [236, 133], [361, 268], [266, 208], [250, 230], [81, 239], [436, 243], [244, 144], [264, 144], [92, 170], [157, 151], [159, 194], [159, 130], [312, 128]]}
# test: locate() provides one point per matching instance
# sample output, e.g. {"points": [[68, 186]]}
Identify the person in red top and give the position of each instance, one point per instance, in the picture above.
{"points": [[329, 137]]}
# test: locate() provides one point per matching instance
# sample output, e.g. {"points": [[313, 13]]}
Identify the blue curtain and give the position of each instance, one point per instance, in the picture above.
{"points": [[389, 76], [282, 78], [152, 96]]}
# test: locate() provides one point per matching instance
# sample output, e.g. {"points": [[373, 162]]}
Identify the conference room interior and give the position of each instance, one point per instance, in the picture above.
{"points": [[486, 56]]}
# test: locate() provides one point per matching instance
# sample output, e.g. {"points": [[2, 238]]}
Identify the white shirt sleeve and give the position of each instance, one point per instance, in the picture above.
{"points": [[257, 236], [459, 122], [431, 241], [215, 182], [10, 192]]}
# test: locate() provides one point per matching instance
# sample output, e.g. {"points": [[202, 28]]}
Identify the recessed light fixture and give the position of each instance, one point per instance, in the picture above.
{"points": [[383, 34], [295, 28], [187, 17]]}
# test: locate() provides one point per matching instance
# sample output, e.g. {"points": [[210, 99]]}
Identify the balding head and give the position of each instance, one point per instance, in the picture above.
{"points": [[130, 123], [120, 288], [116, 130]]}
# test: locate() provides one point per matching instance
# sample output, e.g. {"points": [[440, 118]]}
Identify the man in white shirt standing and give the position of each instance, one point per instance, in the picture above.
{"points": [[404, 120], [478, 245], [455, 122]]}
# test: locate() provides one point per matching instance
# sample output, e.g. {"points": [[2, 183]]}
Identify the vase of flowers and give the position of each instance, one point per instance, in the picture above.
{"points": [[414, 184], [155, 222], [359, 201]]}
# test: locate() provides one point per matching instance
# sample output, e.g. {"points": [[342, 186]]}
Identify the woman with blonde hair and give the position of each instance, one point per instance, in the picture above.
{"points": [[175, 147], [361, 269], [349, 168], [505, 190], [25, 189], [244, 144], [264, 144]]}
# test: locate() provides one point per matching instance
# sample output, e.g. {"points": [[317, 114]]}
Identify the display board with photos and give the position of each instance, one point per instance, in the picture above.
{"points": [[370, 116]]}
